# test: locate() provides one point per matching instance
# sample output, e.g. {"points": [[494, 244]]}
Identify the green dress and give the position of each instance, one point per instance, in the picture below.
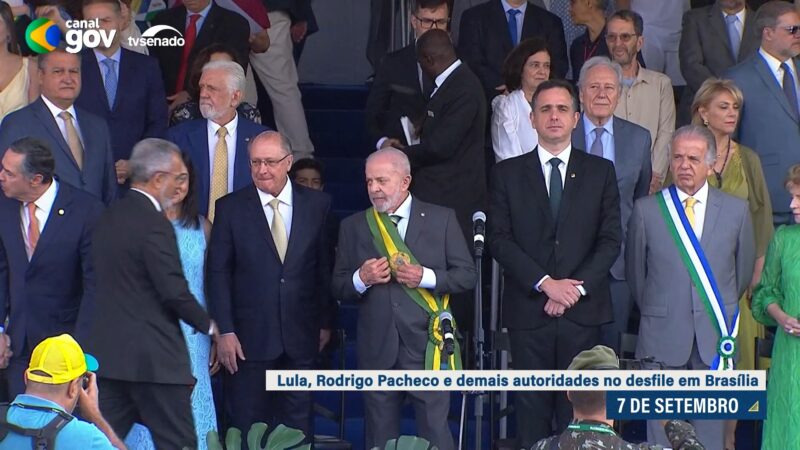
{"points": [[780, 283]]}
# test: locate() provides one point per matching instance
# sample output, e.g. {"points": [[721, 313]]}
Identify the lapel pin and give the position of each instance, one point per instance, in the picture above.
{"points": [[572, 175], [60, 212], [422, 214], [430, 113]]}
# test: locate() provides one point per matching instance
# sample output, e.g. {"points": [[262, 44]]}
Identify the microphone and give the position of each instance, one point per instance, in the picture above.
{"points": [[478, 231], [446, 328]]}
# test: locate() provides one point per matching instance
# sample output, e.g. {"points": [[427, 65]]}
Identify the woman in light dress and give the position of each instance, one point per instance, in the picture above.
{"points": [[18, 75], [527, 66]]}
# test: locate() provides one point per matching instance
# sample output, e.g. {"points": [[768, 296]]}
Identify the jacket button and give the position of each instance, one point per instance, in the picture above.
{"points": [[556, 242], [282, 280]]}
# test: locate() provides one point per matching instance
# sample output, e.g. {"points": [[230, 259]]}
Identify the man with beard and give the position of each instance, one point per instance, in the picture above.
{"points": [[396, 259], [217, 145], [141, 294]]}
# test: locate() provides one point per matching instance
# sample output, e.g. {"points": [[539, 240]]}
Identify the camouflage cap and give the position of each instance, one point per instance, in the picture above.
{"points": [[598, 358]]}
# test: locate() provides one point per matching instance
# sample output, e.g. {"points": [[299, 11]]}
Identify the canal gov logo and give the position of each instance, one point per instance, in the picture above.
{"points": [[43, 36]]}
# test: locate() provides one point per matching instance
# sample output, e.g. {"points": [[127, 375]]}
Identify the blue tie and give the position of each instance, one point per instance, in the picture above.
{"points": [[789, 89], [512, 26], [733, 34], [110, 83]]}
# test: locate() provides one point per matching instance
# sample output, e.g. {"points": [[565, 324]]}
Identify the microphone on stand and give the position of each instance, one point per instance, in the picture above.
{"points": [[446, 328], [478, 231]]}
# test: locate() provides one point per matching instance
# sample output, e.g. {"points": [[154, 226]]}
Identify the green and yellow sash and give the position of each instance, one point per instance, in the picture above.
{"points": [[389, 244]]}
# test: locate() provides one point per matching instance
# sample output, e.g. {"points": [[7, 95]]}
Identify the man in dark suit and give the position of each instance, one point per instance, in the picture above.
{"points": [[121, 86], [80, 140], [46, 274], [484, 39], [201, 22], [141, 293], [268, 274], [625, 144], [392, 327], [400, 87], [217, 144], [555, 229], [769, 81], [714, 38]]}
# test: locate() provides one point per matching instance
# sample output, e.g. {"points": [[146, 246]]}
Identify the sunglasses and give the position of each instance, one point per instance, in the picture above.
{"points": [[793, 30]]}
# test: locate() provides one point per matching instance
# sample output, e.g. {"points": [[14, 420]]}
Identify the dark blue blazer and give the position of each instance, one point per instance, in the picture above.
{"points": [[53, 292], [272, 307], [97, 176], [192, 138], [140, 106]]}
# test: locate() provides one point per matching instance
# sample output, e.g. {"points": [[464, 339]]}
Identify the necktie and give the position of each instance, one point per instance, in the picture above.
{"points": [[733, 34], [33, 227], [219, 172], [597, 145], [689, 209], [395, 219], [110, 83], [789, 88], [512, 26], [189, 36], [73, 141], [278, 229], [556, 187]]}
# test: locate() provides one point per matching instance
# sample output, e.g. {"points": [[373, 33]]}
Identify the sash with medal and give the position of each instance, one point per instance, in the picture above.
{"points": [[389, 244], [702, 277]]}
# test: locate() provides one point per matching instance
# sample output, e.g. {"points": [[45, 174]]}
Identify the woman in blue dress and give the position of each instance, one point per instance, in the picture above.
{"points": [[191, 232]]}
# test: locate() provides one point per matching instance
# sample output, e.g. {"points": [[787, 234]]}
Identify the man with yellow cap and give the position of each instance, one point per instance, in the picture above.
{"points": [[59, 378], [591, 429]]}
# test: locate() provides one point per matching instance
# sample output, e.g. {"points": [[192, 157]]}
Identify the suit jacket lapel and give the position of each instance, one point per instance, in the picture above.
{"points": [[717, 23], [416, 221], [713, 209], [256, 212], [501, 25], [572, 182], [128, 74], [207, 30], [91, 75], [241, 167], [579, 136], [55, 220], [198, 141], [749, 45], [46, 118], [536, 183], [301, 215], [16, 245], [773, 87]]}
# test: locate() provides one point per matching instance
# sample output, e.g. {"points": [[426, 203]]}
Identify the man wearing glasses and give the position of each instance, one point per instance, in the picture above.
{"points": [[642, 89], [217, 144], [400, 88], [769, 82], [268, 273]]}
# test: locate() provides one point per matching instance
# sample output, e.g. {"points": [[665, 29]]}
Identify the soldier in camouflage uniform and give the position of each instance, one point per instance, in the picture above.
{"points": [[591, 430]]}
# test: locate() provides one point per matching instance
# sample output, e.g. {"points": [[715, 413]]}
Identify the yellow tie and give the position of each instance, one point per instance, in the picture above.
{"points": [[689, 208], [73, 141], [219, 172], [278, 229]]}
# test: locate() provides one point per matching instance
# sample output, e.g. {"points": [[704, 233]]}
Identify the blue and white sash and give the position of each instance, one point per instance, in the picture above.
{"points": [[702, 277]]}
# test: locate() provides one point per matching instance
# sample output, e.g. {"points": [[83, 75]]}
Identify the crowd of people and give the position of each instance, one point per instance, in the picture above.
{"points": [[149, 217]]}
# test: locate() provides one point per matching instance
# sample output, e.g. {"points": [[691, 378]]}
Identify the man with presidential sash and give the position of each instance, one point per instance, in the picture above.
{"points": [[400, 260], [689, 257]]}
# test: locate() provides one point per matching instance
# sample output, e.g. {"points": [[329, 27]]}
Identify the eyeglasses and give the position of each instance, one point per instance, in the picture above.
{"points": [[430, 23], [793, 30], [179, 177], [271, 163], [624, 37]]}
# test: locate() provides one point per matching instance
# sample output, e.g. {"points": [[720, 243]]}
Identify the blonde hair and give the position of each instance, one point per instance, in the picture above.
{"points": [[710, 89]]}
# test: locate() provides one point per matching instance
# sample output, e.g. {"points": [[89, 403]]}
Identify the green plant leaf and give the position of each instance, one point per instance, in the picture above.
{"points": [[412, 443], [256, 435], [213, 441], [233, 439], [283, 438]]}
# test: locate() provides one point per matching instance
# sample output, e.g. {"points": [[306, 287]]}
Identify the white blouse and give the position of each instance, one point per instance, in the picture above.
{"points": [[512, 131]]}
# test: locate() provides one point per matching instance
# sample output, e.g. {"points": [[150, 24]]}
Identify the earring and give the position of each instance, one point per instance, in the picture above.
{"points": [[705, 122]]}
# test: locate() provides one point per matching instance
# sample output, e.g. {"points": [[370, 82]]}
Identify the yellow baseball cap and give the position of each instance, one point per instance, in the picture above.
{"points": [[61, 359]]}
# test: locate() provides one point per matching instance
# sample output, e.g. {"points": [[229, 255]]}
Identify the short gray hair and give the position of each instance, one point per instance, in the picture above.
{"points": [[285, 145], [768, 14], [599, 61], [151, 156], [398, 159], [235, 74], [697, 132]]}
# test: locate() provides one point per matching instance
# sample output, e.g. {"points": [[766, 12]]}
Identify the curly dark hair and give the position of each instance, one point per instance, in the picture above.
{"points": [[515, 61]]}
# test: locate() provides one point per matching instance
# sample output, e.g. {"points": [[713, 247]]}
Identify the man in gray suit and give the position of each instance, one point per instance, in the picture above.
{"points": [[392, 326], [714, 39], [676, 326], [770, 123], [625, 144]]}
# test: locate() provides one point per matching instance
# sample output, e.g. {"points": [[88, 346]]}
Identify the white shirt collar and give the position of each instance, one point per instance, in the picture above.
{"points": [[152, 199], [739, 15], [443, 76], [46, 200], [404, 210], [521, 8], [203, 12], [589, 126], [775, 65], [55, 110], [545, 156], [701, 195], [115, 56], [230, 126], [285, 195]]}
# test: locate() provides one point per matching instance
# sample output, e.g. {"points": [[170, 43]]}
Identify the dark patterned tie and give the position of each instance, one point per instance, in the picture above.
{"points": [[556, 186]]}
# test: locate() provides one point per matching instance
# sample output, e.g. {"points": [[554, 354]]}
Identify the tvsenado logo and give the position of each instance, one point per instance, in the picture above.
{"points": [[149, 38], [43, 35]]}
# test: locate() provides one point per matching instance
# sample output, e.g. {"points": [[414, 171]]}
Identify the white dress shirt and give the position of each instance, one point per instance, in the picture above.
{"points": [[43, 206], [230, 141], [699, 207], [117, 56], [62, 126], [775, 67], [404, 213], [284, 207], [607, 138], [201, 20], [443, 76], [512, 130]]}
